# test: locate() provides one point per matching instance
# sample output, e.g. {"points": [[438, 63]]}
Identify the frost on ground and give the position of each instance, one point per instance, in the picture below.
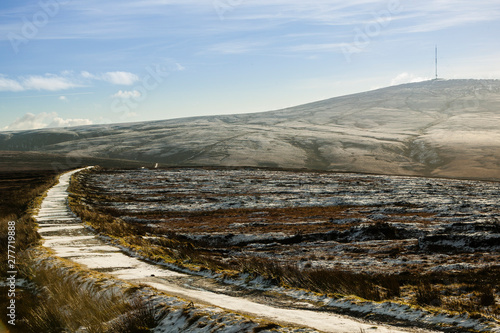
{"points": [[413, 230], [62, 234], [377, 223]]}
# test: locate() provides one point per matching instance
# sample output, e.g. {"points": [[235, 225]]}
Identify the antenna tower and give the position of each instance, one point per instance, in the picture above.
{"points": [[436, 62]]}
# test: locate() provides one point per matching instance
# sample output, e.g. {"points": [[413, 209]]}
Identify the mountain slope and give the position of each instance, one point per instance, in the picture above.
{"points": [[433, 128]]}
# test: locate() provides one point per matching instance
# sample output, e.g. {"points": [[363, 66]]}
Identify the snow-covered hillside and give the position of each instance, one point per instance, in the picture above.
{"points": [[434, 128]]}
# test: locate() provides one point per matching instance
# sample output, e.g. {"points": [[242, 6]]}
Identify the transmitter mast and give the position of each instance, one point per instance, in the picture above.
{"points": [[436, 62]]}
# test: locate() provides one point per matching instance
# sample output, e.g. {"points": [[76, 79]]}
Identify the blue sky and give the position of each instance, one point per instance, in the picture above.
{"points": [[72, 62]]}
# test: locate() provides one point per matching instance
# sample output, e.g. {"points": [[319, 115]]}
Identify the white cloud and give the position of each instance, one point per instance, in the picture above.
{"points": [[48, 82], [68, 80], [179, 67], [407, 78], [441, 15], [120, 78], [9, 85], [63, 98], [321, 47], [87, 75], [28, 121], [60, 122], [44, 120], [127, 94], [35, 82]]}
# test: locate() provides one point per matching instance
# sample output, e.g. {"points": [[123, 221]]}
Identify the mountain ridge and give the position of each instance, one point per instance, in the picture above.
{"points": [[442, 128]]}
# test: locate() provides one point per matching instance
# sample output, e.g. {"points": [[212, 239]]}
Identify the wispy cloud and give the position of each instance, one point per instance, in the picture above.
{"points": [[44, 120], [7, 84], [431, 16], [24, 96], [236, 47], [407, 78], [48, 82], [320, 47], [87, 75], [67, 80], [432, 22], [127, 94], [120, 78], [123, 20]]}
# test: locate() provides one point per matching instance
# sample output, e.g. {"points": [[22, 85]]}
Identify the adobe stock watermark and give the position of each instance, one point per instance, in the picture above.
{"points": [[221, 7], [124, 102], [11, 273], [31, 25], [363, 36]]}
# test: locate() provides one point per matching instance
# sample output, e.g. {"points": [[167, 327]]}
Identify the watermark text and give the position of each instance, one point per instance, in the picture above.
{"points": [[11, 273], [31, 25], [364, 35]]}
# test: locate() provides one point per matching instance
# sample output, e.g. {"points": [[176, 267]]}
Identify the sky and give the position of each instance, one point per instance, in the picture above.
{"points": [[74, 62]]}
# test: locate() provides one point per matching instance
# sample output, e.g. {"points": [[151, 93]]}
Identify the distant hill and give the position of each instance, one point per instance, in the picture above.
{"points": [[447, 128]]}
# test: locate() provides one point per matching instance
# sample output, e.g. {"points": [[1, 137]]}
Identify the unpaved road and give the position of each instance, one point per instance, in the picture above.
{"points": [[65, 234]]}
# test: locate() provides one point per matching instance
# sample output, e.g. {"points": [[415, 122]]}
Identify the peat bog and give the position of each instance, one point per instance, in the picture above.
{"points": [[433, 243]]}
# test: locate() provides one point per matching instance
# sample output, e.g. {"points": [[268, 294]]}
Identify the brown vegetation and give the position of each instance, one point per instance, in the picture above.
{"points": [[294, 260], [72, 298], [24, 177]]}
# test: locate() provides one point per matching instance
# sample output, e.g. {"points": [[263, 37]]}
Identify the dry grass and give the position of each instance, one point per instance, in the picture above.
{"points": [[287, 220], [427, 294], [57, 305], [326, 281], [69, 298], [455, 291], [19, 191]]}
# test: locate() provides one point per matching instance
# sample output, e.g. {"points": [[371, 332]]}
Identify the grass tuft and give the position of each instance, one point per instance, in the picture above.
{"points": [[426, 294], [71, 300]]}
